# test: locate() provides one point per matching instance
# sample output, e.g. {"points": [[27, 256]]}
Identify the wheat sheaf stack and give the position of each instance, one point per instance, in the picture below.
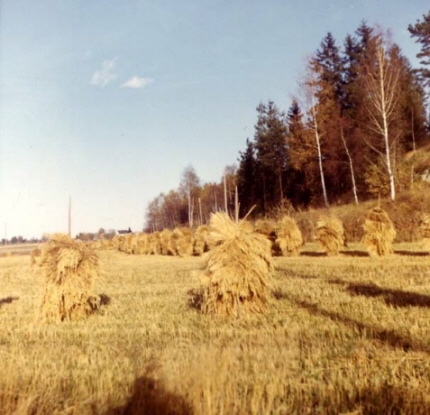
{"points": [[288, 237], [184, 241], [238, 269], [379, 232], [201, 236], [424, 225], [331, 235], [69, 268]]}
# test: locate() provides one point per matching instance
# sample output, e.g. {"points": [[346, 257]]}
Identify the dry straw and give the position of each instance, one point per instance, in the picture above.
{"points": [[201, 240], [379, 232], [140, 243], [184, 241], [35, 256], [128, 244], [167, 242], [154, 243], [424, 224], [68, 268], [288, 237], [331, 235], [238, 269], [266, 227], [119, 242]]}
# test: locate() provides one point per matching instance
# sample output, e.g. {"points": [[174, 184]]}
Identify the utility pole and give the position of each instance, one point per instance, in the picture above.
{"points": [[225, 193], [69, 224], [200, 211]]}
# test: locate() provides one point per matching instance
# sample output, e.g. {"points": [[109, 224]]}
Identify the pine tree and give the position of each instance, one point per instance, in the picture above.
{"points": [[270, 143], [328, 64], [421, 31], [301, 167], [246, 179]]}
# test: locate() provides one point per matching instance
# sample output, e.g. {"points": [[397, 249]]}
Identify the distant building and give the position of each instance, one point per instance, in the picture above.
{"points": [[124, 232]]}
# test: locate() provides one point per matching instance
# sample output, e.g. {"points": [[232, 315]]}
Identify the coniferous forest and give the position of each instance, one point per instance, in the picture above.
{"points": [[349, 135]]}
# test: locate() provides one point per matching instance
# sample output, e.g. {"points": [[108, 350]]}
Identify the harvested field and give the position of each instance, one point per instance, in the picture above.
{"points": [[344, 335], [17, 249]]}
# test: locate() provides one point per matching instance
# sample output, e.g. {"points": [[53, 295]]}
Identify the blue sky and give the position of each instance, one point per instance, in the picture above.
{"points": [[109, 101]]}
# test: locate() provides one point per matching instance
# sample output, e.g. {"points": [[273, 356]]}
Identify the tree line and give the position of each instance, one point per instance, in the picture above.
{"points": [[360, 109], [192, 203]]}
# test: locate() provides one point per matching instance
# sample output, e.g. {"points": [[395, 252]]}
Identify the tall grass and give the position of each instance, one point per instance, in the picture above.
{"points": [[342, 335]]}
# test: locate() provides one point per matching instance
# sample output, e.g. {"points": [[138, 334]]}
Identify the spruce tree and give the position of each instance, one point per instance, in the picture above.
{"points": [[421, 31], [246, 179], [270, 143]]}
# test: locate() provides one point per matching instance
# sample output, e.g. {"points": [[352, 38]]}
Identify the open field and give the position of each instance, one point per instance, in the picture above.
{"points": [[17, 249], [343, 335]]}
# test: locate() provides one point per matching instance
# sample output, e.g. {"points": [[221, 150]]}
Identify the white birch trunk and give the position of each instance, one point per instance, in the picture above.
{"points": [[351, 167], [318, 142], [382, 91]]}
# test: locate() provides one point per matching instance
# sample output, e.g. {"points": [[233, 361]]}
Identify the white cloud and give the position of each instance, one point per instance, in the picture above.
{"points": [[137, 82], [106, 74]]}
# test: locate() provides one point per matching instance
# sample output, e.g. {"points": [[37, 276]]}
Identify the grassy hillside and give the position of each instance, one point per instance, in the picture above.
{"points": [[344, 335], [404, 213]]}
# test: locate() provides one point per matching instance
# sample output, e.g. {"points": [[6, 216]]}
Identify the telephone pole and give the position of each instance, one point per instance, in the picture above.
{"points": [[69, 224]]}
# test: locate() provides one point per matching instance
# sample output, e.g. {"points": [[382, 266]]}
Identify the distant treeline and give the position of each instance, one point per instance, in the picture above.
{"points": [[19, 240], [349, 135]]}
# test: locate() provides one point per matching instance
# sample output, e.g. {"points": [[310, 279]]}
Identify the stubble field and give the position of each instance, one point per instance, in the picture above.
{"points": [[343, 335]]}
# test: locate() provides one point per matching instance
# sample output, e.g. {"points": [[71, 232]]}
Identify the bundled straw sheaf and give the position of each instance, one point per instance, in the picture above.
{"points": [[288, 237], [266, 227], [140, 243], [379, 232], [184, 241], [167, 242], [35, 256], [68, 268], [201, 240], [238, 269], [424, 225], [331, 235], [154, 243]]}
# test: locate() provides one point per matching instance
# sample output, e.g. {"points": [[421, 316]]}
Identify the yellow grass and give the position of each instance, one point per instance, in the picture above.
{"points": [[345, 335]]}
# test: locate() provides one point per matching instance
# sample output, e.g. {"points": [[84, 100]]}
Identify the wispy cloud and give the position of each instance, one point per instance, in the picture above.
{"points": [[106, 74], [137, 82]]}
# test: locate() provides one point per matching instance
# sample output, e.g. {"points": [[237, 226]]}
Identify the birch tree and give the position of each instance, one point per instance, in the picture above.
{"points": [[381, 83], [310, 90], [189, 185]]}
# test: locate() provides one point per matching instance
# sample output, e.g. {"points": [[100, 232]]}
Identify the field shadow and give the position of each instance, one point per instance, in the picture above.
{"points": [[411, 253], [395, 298], [104, 299], [355, 253], [149, 396], [97, 303], [387, 336], [278, 294], [383, 399], [313, 254], [8, 300], [195, 298]]}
